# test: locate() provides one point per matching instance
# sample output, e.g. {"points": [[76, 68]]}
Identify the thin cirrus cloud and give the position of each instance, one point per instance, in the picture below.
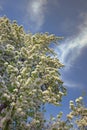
{"points": [[36, 13], [72, 47], [71, 84], [1, 7]]}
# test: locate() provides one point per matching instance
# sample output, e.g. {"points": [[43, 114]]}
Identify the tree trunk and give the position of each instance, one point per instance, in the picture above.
{"points": [[9, 120], [3, 106]]}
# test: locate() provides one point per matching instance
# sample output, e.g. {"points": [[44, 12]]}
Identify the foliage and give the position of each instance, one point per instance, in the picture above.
{"points": [[29, 78], [29, 75], [75, 120]]}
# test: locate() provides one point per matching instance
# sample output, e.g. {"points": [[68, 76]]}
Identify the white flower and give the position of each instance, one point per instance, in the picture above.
{"points": [[19, 109], [60, 115], [18, 84], [24, 71], [15, 90], [6, 96], [34, 90], [19, 77], [28, 82], [21, 96], [10, 47], [13, 97], [45, 92], [10, 67], [37, 121], [71, 102], [6, 64], [80, 98], [53, 119], [69, 117], [13, 104], [15, 69], [25, 101], [77, 100], [22, 113], [71, 106], [60, 93]]}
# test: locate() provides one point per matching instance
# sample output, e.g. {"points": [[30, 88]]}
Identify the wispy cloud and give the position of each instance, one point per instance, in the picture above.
{"points": [[72, 47], [1, 8], [36, 12], [71, 84]]}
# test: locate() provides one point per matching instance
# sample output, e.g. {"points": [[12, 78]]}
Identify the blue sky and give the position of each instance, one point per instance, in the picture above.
{"points": [[67, 18]]}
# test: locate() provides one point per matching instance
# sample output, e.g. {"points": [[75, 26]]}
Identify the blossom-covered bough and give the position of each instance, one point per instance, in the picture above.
{"points": [[75, 120], [29, 78], [29, 75], [78, 113]]}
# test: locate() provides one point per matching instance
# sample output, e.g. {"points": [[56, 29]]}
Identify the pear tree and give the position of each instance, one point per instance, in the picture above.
{"points": [[29, 76]]}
